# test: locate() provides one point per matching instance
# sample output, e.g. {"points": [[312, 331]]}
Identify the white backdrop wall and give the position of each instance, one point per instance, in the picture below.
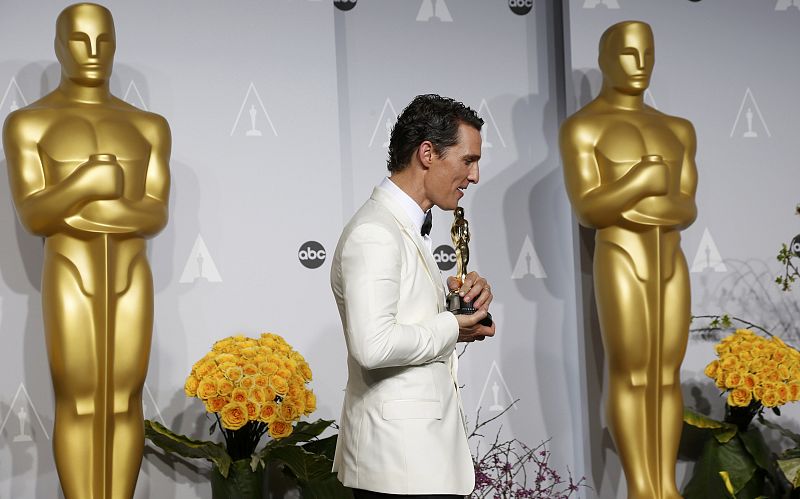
{"points": [[279, 112]]}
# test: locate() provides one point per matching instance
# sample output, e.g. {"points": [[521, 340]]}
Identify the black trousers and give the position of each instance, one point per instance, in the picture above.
{"points": [[368, 494]]}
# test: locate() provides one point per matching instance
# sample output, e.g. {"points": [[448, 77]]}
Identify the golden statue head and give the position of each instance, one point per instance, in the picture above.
{"points": [[627, 56], [85, 43]]}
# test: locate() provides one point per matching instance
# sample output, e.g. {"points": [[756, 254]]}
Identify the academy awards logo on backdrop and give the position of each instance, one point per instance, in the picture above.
{"points": [[445, 257], [486, 113], [528, 262], [21, 413], [785, 4], [13, 99], [520, 7], [150, 407], [383, 128], [495, 400], [610, 4], [794, 247], [434, 9], [134, 97], [200, 266], [311, 254], [745, 125], [707, 258], [253, 119], [345, 5]]}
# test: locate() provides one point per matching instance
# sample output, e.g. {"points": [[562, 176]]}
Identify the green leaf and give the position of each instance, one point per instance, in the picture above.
{"points": [[723, 431], [783, 431], [303, 432], [241, 482], [324, 446], [731, 457], [791, 470], [754, 442], [305, 466], [186, 447]]}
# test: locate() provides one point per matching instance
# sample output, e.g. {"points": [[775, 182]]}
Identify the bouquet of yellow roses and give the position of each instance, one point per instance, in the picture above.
{"points": [[756, 371], [253, 386]]}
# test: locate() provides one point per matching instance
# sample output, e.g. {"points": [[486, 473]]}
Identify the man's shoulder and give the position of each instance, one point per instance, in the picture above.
{"points": [[374, 213]]}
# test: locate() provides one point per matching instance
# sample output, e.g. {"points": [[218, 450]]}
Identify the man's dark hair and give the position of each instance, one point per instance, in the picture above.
{"points": [[428, 117]]}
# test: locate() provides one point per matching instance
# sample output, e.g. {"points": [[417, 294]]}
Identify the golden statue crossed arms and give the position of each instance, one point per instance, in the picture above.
{"points": [[89, 172], [630, 173]]}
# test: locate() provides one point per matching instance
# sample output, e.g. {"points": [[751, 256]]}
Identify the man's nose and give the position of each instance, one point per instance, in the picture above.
{"points": [[474, 173]]}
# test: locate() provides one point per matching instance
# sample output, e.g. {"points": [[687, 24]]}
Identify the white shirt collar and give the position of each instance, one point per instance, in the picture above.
{"points": [[410, 206]]}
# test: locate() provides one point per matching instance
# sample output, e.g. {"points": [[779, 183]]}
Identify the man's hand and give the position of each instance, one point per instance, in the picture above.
{"points": [[477, 291]]}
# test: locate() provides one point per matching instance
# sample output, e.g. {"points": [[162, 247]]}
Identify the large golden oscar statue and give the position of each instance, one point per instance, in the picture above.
{"points": [[89, 172], [630, 173]]}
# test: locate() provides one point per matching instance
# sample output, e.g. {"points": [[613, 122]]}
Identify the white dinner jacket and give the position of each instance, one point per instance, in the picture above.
{"points": [[402, 429]]}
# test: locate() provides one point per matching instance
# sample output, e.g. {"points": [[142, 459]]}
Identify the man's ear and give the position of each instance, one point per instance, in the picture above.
{"points": [[425, 154]]}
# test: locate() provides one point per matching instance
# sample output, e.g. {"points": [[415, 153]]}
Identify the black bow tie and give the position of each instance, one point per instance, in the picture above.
{"points": [[426, 225]]}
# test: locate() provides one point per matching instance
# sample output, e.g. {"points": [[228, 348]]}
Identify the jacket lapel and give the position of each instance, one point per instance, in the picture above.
{"points": [[385, 199]]}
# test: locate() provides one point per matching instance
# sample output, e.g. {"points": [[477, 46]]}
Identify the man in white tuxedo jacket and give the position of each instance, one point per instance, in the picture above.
{"points": [[403, 430]]}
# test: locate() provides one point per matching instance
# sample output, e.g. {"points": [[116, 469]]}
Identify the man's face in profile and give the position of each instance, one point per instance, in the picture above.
{"points": [[85, 44], [628, 58]]}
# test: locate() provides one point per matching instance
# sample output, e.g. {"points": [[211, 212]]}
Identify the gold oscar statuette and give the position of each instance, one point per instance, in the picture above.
{"points": [[630, 174], [90, 174], [459, 233]]}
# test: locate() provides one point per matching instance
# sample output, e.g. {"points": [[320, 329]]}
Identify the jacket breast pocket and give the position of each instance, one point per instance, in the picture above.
{"points": [[411, 409]]}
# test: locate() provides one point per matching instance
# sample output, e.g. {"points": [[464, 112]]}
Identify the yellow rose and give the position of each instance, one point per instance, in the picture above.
{"points": [[305, 370], [270, 393], [279, 384], [225, 386], [770, 398], [249, 353], [729, 362], [239, 395], [279, 429], [269, 368], [233, 415], [258, 395], [288, 412], [311, 402], [712, 368], [226, 358], [247, 382], [215, 404], [770, 375], [783, 393], [740, 397], [250, 369], [745, 356], [234, 373], [783, 371], [733, 380], [207, 388], [261, 380], [253, 410], [205, 368], [284, 373], [190, 387], [269, 412], [794, 391], [749, 381], [756, 365]]}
